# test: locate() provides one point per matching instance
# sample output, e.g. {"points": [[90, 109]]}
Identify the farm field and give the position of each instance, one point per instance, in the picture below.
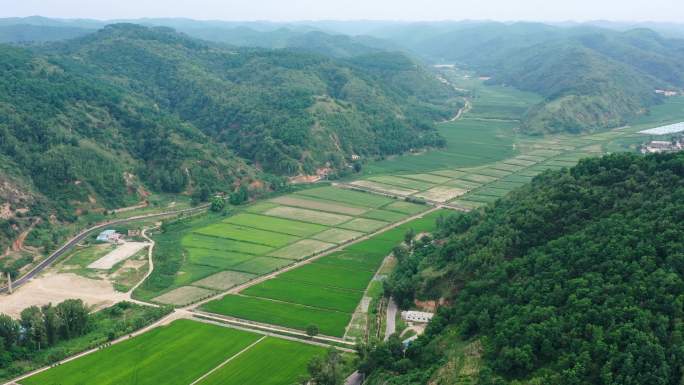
{"points": [[176, 354], [263, 364], [184, 351], [325, 292], [216, 252]]}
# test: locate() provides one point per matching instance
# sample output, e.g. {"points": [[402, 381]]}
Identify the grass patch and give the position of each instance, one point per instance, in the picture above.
{"points": [[225, 280], [402, 182], [405, 207]]}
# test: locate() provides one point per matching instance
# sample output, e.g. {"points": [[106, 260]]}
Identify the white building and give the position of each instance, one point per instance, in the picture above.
{"points": [[416, 316]]}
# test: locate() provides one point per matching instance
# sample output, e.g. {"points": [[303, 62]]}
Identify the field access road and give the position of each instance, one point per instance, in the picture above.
{"points": [[82, 235], [390, 322]]}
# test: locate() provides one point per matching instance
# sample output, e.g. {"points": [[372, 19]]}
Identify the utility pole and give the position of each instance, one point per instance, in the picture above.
{"points": [[9, 283]]}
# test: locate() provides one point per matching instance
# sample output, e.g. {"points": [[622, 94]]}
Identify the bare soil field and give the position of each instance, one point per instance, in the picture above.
{"points": [[55, 288], [121, 253]]}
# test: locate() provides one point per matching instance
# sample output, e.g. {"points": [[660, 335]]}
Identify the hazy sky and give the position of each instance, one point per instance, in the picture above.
{"points": [[548, 10]]}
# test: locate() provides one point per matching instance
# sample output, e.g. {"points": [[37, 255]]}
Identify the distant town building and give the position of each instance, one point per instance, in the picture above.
{"points": [[666, 92], [109, 236], [134, 233], [416, 316], [658, 146]]}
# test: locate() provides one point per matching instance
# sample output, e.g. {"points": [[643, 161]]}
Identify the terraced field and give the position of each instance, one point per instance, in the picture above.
{"points": [[325, 292], [220, 253], [183, 352]]}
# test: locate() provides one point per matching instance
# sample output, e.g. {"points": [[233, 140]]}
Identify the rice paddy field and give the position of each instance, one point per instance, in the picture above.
{"points": [[325, 292], [486, 157], [217, 253], [183, 352]]}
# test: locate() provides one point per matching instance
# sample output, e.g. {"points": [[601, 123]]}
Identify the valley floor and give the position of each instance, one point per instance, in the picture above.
{"points": [[248, 286]]}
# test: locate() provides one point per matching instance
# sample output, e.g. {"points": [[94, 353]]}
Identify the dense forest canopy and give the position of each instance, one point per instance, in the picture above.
{"points": [[86, 123], [577, 278]]}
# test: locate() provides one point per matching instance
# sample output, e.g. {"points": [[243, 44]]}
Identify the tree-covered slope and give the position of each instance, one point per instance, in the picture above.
{"points": [[577, 278], [287, 111], [89, 123]]}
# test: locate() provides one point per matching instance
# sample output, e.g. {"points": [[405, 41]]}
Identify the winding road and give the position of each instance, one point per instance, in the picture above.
{"points": [[82, 235]]}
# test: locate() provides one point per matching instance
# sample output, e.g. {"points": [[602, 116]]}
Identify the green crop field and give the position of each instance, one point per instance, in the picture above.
{"points": [[337, 235], [301, 249], [323, 297], [349, 260], [215, 258], [278, 225], [176, 354], [470, 142], [225, 280], [216, 243], [447, 173], [290, 315], [430, 178], [320, 204], [246, 234], [312, 216], [364, 225], [405, 207], [263, 364], [464, 184], [262, 265], [325, 275], [346, 196], [385, 215], [491, 171], [402, 182]]}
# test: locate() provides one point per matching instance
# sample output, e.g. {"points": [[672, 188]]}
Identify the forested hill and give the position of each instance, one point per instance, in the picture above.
{"points": [[88, 123], [577, 278], [591, 78]]}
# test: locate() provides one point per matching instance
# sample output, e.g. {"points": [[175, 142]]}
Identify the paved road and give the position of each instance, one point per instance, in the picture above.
{"points": [[82, 235], [390, 325], [356, 378]]}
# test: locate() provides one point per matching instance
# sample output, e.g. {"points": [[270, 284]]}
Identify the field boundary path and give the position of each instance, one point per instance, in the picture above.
{"points": [[220, 321], [266, 328], [42, 265]]}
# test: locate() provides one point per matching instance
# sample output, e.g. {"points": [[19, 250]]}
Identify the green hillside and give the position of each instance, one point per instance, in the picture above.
{"points": [[591, 78], [89, 123], [573, 279]]}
